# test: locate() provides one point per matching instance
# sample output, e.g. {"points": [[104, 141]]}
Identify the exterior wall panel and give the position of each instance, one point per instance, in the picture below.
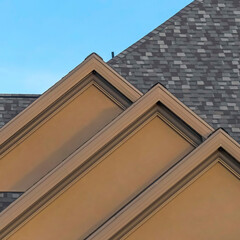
{"points": [[207, 209], [113, 182], [56, 139]]}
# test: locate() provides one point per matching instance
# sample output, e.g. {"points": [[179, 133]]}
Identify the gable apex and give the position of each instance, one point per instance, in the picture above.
{"points": [[27, 119], [82, 156], [161, 94], [203, 157], [195, 54]]}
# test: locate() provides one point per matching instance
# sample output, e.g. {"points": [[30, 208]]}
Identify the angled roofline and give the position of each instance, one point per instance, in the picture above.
{"points": [[132, 211], [155, 30], [92, 63], [42, 188], [182, 111]]}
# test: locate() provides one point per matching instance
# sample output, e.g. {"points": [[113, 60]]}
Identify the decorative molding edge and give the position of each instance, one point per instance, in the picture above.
{"points": [[85, 157], [156, 111], [91, 79], [219, 148], [61, 92]]}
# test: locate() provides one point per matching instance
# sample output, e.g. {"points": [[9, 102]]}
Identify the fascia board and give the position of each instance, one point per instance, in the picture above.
{"points": [[81, 155], [93, 62], [77, 158], [229, 144], [166, 182], [183, 112], [118, 81]]}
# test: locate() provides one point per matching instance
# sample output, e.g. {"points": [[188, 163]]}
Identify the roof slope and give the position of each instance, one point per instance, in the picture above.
{"points": [[195, 54]]}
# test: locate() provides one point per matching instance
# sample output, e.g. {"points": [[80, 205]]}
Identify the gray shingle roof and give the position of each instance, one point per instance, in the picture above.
{"points": [[196, 56], [12, 104], [6, 198]]}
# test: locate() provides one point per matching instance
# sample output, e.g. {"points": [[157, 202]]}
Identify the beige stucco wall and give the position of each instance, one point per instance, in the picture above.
{"points": [[207, 209], [56, 139], [108, 186]]}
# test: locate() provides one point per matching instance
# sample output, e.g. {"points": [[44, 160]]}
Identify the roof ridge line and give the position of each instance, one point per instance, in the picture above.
{"points": [[159, 28]]}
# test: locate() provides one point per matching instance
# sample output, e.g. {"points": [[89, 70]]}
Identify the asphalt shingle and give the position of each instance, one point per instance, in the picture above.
{"points": [[12, 104], [6, 198], [195, 55]]}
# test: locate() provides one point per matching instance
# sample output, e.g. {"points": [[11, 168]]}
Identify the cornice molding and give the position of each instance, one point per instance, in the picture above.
{"points": [[30, 117], [47, 187], [92, 79], [183, 112], [172, 183]]}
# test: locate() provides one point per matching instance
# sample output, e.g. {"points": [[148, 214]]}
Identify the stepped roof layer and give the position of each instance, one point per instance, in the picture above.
{"points": [[195, 55]]}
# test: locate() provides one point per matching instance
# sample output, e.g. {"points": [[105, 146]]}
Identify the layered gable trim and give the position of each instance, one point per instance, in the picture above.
{"points": [[60, 121], [218, 148], [158, 101], [195, 54], [15, 130]]}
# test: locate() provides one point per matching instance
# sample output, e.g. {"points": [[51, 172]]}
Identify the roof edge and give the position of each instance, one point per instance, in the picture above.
{"points": [[154, 31], [34, 110], [84, 153], [114, 225]]}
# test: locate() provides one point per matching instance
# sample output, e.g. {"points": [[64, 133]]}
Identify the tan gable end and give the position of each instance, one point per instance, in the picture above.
{"points": [[59, 122], [108, 171]]}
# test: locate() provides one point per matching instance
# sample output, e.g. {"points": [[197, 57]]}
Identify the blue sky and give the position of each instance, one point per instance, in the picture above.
{"points": [[41, 41]]}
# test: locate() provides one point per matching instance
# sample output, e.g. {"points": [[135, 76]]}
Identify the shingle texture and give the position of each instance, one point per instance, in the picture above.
{"points": [[6, 198], [12, 104], [195, 55]]}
